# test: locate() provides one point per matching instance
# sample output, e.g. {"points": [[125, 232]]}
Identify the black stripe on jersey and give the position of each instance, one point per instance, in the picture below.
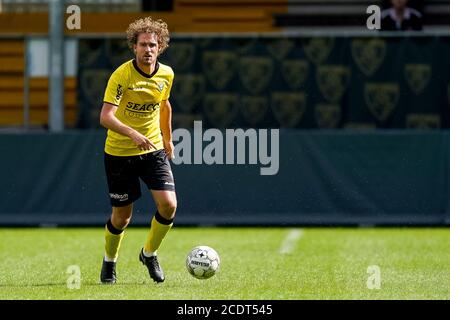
{"points": [[111, 103], [131, 110], [142, 72]]}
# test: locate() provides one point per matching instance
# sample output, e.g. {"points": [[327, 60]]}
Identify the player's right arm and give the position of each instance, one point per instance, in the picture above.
{"points": [[109, 120]]}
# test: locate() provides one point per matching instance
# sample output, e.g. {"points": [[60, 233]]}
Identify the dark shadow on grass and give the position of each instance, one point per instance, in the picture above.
{"points": [[90, 284], [32, 285]]}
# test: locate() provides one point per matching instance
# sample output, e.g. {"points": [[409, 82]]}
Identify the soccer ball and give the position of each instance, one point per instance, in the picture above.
{"points": [[203, 262]]}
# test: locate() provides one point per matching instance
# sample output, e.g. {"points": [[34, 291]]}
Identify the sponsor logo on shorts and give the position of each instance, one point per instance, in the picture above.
{"points": [[169, 183], [120, 197]]}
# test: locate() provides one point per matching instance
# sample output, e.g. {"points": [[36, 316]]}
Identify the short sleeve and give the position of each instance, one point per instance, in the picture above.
{"points": [[169, 87], [117, 84]]}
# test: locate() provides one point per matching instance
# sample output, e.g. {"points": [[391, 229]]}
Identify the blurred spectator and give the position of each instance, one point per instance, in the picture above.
{"points": [[400, 17]]}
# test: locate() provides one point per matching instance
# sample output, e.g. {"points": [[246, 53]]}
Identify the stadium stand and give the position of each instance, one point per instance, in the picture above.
{"points": [[12, 68], [27, 6], [20, 18], [348, 13], [29, 17]]}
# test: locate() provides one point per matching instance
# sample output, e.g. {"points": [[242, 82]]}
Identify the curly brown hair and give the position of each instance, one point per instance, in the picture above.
{"points": [[148, 25]]}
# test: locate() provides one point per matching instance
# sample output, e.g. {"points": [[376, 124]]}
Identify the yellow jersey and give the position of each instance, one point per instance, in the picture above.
{"points": [[138, 96]]}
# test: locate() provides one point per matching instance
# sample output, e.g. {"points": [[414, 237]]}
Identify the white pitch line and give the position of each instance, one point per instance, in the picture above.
{"points": [[290, 241]]}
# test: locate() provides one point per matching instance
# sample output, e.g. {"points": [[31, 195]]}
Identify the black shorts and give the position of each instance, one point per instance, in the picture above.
{"points": [[123, 173]]}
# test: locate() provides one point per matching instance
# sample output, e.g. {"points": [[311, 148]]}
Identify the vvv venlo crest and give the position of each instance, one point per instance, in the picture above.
{"points": [[332, 81], [381, 99], [219, 67]]}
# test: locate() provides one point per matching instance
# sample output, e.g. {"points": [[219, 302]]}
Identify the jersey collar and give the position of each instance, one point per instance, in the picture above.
{"points": [[142, 72]]}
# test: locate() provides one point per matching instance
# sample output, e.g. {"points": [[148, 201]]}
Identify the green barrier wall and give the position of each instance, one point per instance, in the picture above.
{"points": [[331, 177]]}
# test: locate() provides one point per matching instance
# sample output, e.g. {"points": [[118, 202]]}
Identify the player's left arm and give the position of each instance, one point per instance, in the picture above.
{"points": [[165, 123]]}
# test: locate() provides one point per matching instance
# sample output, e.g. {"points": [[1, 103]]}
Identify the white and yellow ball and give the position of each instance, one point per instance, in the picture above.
{"points": [[203, 262]]}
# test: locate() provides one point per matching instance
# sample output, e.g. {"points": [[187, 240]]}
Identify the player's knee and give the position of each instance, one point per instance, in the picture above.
{"points": [[121, 216], [120, 222], [124, 222], [168, 208]]}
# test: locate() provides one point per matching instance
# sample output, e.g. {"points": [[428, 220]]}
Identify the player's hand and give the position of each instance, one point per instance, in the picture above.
{"points": [[169, 147], [142, 142]]}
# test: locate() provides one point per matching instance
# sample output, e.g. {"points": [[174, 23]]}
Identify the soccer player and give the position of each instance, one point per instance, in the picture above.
{"points": [[137, 113]]}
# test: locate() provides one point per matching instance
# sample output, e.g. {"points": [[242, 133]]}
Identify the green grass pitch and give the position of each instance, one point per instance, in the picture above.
{"points": [[324, 263]]}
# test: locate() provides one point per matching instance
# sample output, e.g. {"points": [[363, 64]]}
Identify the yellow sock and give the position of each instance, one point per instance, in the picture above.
{"points": [[112, 241], [157, 233]]}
